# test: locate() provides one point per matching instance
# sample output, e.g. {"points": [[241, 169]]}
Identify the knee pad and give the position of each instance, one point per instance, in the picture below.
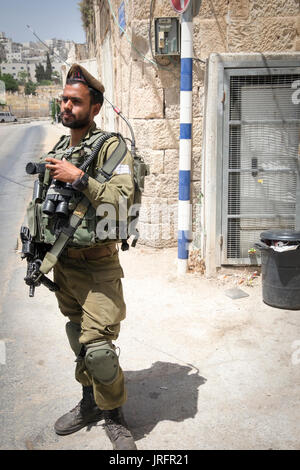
{"points": [[102, 362], [73, 331]]}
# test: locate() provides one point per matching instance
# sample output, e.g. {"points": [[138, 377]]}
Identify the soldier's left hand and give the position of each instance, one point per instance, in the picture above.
{"points": [[63, 170]]}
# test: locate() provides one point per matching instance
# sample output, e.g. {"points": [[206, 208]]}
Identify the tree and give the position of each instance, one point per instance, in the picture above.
{"points": [[39, 72], [48, 71], [10, 83], [23, 77], [55, 110], [30, 88]]}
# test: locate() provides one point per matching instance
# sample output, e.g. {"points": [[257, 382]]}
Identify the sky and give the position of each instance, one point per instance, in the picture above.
{"points": [[48, 18]]}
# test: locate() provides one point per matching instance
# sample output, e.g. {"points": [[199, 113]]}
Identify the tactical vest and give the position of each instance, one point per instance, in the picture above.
{"points": [[44, 228]]}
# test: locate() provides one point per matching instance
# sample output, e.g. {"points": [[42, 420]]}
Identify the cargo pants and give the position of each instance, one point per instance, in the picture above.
{"points": [[91, 295]]}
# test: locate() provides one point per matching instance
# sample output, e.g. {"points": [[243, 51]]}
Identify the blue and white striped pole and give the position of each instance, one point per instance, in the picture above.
{"points": [[185, 147]]}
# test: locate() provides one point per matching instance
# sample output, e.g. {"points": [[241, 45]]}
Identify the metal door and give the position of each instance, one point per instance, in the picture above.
{"points": [[260, 157]]}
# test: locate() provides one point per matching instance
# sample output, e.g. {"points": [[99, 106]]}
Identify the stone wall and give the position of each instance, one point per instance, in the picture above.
{"points": [[148, 92], [32, 105]]}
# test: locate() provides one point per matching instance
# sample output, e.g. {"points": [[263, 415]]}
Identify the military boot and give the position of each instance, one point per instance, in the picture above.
{"points": [[84, 413], [117, 430]]}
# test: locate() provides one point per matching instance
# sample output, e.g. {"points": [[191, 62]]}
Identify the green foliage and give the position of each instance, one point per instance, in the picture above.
{"points": [[87, 13], [30, 88], [45, 82], [10, 83], [55, 109], [39, 72], [23, 77], [48, 71]]}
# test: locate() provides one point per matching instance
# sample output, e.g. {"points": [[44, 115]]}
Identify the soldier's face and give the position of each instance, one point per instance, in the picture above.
{"points": [[76, 109]]}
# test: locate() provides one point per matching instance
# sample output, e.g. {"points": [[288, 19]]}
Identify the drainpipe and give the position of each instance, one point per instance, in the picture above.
{"points": [[185, 147]]}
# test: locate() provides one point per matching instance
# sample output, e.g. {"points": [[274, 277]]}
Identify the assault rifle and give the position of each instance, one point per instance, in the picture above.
{"points": [[34, 253]]}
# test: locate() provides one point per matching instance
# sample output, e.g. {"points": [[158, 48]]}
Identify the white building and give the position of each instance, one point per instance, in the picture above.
{"points": [[14, 68], [14, 57]]}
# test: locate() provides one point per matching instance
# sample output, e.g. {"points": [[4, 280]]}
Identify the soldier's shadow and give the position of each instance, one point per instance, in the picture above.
{"points": [[165, 391]]}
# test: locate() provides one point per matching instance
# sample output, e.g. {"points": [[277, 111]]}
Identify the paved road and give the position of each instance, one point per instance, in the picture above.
{"points": [[19, 144]]}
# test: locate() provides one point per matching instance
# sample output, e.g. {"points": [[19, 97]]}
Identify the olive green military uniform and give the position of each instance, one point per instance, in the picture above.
{"points": [[89, 275]]}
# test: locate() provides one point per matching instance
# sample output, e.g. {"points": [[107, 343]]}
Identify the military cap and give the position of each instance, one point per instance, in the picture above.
{"points": [[80, 74]]}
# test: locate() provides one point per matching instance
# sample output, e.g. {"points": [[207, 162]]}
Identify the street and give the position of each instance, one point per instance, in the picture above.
{"points": [[203, 371]]}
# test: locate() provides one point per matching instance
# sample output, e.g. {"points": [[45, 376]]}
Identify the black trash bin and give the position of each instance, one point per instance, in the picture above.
{"points": [[280, 269]]}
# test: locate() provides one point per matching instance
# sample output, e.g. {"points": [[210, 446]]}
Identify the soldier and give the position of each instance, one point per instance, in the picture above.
{"points": [[88, 271]]}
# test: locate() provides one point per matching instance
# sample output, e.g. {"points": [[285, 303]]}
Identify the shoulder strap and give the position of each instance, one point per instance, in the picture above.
{"points": [[105, 173]]}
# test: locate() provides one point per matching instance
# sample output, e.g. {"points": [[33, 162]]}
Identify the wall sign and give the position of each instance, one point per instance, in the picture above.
{"points": [[122, 20], [180, 5]]}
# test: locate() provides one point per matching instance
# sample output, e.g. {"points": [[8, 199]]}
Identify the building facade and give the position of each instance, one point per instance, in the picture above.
{"points": [[245, 131]]}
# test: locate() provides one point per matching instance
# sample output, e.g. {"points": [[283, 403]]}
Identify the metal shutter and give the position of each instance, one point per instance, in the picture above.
{"points": [[261, 166]]}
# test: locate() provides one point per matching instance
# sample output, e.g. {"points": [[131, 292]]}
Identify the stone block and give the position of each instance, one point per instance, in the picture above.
{"points": [[264, 34], [158, 134], [238, 8], [212, 37], [139, 12], [146, 102], [157, 235], [278, 8], [198, 101], [213, 8], [154, 158], [168, 185], [196, 163], [169, 77], [162, 185], [196, 192], [151, 186], [172, 103], [162, 8], [171, 161], [298, 25], [198, 72], [140, 38], [197, 132]]}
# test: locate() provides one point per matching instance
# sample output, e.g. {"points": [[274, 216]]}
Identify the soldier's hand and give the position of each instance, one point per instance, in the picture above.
{"points": [[63, 170]]}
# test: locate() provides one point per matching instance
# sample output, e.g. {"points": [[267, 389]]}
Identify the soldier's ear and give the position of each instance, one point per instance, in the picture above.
{"points": [[96, 108]]}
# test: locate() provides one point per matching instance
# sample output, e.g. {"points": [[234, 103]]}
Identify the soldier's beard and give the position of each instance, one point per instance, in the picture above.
{"points": [[75, 123]]}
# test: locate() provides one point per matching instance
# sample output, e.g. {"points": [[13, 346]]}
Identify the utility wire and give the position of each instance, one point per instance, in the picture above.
{"points": [[115, 108], [46, 45]]}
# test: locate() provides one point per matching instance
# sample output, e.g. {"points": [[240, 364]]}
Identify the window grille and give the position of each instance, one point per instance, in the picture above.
{"points": [[261, 172]]}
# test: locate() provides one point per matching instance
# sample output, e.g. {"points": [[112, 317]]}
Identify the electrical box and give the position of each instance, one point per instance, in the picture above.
{"points": [[167, 36]]}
